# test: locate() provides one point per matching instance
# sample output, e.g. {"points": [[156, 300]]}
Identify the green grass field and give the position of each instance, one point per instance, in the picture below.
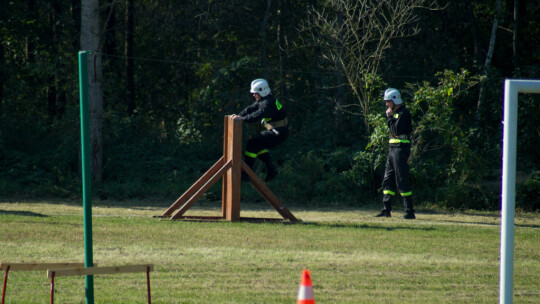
{"points": [[441, 257]]}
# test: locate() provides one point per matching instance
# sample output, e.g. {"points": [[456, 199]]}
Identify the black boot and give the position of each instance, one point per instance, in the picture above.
{"points": [[384, 213], [409, 215], [271, 170], [387, 206], [409, 208]]}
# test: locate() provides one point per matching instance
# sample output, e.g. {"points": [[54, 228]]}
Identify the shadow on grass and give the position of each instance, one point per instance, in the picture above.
{"points": [[22, 213], [495, 215], [489, 224], [205, 204], [278, 221], [368, 226]]}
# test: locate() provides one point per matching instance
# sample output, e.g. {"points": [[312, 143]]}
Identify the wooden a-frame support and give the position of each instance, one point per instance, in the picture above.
{"points": [[229, 167]]}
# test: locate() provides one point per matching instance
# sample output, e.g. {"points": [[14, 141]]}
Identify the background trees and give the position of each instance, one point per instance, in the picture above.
{"points": [[171, 70], [354, 37], [91, 40]]}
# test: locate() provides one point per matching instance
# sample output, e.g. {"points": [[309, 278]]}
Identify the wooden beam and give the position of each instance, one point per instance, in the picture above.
{"points": [[99, 270], [268, 195], [37, 266], [196, 218], [202, 190], [234, 154], [225, 182], [193, 189]]}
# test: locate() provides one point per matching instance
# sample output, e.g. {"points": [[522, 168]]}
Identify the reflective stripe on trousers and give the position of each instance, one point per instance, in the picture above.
{"points": [[388, 192], [399, 141], [254, 155]]}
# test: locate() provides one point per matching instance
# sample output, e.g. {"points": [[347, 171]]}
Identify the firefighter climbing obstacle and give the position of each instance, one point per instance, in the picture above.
{"points": [[272, 115], [230, 167]]}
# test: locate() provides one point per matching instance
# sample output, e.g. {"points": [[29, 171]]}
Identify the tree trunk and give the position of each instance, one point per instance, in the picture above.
{"points": [[283, 45], [475, 33], [340, 91], [30, 43], [2, 76], [128, 53], [76, 18], [109, 37], [280, 33], [515, 39], [340, 97], [489, 56], [90, 40], [263, 40], [52, 89]]}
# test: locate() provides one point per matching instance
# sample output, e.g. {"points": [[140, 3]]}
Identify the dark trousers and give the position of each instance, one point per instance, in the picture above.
{"points": [[396, 178], [258, 145]]}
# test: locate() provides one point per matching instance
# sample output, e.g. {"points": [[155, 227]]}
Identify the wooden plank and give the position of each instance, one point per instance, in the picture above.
{"points": [[225, 182], [37, 266], [260, 219], [99, 270], [193, 189], [202, 190], [202, 217], [268, 195], [234, 146]]}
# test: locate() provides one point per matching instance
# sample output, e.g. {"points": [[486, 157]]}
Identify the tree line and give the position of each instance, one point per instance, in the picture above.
{"points": [[162, 74]]}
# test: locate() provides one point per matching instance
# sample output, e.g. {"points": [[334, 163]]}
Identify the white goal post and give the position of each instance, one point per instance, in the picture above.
{"points": [[512, 87]]}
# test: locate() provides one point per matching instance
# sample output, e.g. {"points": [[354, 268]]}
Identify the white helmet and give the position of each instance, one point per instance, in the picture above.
{"points": [[260, 86], [393, 95]]}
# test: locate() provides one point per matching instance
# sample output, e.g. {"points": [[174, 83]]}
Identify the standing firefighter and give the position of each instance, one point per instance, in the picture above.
{"points": [[396, 174], [272, 115]]}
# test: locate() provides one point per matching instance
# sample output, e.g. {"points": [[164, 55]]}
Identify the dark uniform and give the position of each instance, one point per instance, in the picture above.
{"points": [[396, 174], [272, 115]]}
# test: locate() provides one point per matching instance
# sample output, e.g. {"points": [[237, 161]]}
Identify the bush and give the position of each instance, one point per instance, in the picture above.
{"points": [[314, 179], [443, 166], [527, 193]]}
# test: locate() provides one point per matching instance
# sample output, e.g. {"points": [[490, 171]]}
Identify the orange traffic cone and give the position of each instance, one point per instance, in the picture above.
{"points": [[305, 292]]}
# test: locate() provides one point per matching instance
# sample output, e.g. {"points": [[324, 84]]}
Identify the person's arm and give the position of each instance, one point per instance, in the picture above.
{"points": [[265, 109], [249, 109]]}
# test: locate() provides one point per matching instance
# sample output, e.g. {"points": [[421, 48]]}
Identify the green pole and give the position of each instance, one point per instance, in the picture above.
{"points": [[86, 172]]}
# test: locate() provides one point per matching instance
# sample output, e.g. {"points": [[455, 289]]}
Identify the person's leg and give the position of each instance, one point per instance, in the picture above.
{"points": [[403, 182], [388, 186], [265, 141], [253, 148], [271, 170]]}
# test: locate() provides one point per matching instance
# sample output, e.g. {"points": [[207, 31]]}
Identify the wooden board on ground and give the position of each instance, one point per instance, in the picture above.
{"points": [[99, 270], [37, 266]]}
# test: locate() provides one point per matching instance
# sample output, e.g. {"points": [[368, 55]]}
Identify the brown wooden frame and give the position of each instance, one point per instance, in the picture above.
{"points": [[31, 267], [85, 271], [229, 167]]}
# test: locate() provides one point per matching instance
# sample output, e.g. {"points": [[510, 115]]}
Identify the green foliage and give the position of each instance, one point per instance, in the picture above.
{"points": [[226, 91], [436, 130], [527, 193], [193, 64], [316, 177], [441, 153], [443, 165]]}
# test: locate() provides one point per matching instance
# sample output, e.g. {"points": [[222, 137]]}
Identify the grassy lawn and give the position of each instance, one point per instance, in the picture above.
{"points": [[354, 258]]}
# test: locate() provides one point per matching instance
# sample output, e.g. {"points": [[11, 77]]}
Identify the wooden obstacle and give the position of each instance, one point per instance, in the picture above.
{"points": [[229, 167], [31, 267], [81, 271]]}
